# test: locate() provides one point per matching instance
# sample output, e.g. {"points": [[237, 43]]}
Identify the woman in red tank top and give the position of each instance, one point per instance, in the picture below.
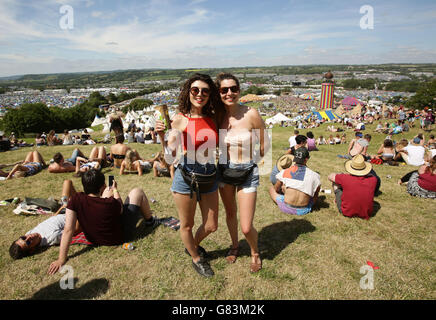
{"points": [[200, 110]]}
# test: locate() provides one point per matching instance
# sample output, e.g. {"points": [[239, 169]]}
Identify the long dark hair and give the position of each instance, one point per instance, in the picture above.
{"points": [[214, 107]]}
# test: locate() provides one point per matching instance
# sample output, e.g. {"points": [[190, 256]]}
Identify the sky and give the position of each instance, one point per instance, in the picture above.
{"points": [[39, 37]]}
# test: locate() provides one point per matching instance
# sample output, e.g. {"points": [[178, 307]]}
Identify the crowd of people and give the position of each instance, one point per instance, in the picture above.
{"points": [[210, 115]]}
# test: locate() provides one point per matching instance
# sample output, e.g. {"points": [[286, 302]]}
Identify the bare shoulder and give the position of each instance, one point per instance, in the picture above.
{"points": [[179, 122]]}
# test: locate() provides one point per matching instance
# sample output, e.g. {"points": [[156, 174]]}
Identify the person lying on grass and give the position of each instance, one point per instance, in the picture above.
{"points": [[33, 164], [102, 215], [133, 163], [61, 165], [97, 160], [47, 233]]}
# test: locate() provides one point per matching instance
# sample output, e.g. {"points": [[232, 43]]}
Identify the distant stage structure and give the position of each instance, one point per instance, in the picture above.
{"points": [[327, 92]]}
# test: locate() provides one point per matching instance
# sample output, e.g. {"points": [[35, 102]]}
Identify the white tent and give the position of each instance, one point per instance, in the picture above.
{"points": [[279, 117], [106, 127], [97, 121]]}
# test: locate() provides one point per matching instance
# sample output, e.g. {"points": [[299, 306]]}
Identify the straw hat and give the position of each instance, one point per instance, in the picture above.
{"points": [[357, 166], [284, 162]]}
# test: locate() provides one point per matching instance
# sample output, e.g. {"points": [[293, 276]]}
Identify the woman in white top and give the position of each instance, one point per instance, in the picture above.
{"points": [[242, 126], [68, 139]]}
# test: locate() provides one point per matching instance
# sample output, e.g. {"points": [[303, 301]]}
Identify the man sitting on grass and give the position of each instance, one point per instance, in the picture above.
{"points": [[102, 216], [47, 233], [297, 187], [354, 190]]}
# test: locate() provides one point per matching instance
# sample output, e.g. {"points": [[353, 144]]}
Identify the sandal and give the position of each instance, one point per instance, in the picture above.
{"points": [[256, 266], [232, 254]]}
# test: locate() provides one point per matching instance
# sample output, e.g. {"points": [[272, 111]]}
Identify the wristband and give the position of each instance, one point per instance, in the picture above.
{"points": [[115, 190]]}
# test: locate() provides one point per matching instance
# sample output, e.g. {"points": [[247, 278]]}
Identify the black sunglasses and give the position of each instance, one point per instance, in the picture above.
{"points": [[195, 91], [28, 242], [224, 90]]}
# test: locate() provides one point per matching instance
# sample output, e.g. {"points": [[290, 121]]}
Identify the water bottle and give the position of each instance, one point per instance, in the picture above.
{"points": [[128, 246]]}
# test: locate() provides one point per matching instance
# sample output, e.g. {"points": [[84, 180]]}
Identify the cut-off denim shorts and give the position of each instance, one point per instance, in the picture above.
{"points": [[180, 186], [250, 185]]}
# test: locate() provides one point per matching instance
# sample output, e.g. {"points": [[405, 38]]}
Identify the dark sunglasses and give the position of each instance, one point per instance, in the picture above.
{"points": [[224, 90], [28, 242], [195, 91]]}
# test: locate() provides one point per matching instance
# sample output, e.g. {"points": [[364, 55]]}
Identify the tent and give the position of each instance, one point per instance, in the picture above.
{"points": [[97, 121], [357, 110], [278, 118], [351, 101], [328, 115], [307, 96]]}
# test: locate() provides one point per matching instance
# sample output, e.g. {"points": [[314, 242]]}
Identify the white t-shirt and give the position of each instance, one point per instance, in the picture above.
{"points": [[292, 142], [50, 230], [300, 178], [416, 155]]}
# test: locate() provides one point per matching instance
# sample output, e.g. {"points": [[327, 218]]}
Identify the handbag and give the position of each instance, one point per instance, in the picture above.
{"points": [[198, 182], [233, 176]]}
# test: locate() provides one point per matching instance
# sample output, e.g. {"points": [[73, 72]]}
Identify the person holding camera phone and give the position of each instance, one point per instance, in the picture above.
{"points": [[104, 218], [195, 127]]}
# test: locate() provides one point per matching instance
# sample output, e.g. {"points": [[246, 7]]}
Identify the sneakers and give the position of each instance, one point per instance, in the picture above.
{"points": [[201, 252], [203, 268], [154, 221]]}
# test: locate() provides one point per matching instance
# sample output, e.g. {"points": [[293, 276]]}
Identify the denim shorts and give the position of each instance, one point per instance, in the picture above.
{"points": [[74, 156], [180, 186], [252, 182]]}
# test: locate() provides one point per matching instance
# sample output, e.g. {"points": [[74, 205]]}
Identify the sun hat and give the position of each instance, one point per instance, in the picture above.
{"points": [[301, 154], [357, 166], [284, 162]]}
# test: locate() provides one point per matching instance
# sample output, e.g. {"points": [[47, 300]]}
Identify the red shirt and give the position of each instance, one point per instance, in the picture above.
{"points": [[358, 195], [427, 181], [199, 131], [99, 218]]}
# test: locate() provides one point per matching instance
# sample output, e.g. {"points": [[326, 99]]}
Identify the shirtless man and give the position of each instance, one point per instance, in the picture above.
{"points": [[61, 165], [297, 187]]}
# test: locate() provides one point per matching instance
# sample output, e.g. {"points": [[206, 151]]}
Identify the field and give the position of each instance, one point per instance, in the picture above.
{"points": [[317, 256]]}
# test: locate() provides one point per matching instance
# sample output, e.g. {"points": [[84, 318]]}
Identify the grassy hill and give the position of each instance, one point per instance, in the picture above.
{"points": [[317, 256]]}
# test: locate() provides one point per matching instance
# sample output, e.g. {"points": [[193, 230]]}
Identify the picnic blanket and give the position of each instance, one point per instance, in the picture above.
{"points": [[171, 222], [81, 239]]}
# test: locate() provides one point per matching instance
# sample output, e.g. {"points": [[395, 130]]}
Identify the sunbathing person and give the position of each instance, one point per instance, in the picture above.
{"points": [[61, 165], [97, 160], [386, 152], [47, 233], [134, 164], [118, 151], [29, 167], [161, 168]]}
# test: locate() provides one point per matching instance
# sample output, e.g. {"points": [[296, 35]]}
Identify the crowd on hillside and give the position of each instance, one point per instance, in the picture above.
{"points": [[205, 108]]}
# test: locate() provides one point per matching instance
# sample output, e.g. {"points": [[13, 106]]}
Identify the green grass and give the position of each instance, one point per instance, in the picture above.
{"points": [[317, 256]]}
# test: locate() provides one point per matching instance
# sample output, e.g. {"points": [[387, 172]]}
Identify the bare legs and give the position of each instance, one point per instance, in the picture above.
{"points": [[247, 208], [186, 209]]}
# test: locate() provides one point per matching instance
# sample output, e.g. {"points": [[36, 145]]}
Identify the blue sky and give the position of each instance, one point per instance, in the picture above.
{"points": [[111, 35]]}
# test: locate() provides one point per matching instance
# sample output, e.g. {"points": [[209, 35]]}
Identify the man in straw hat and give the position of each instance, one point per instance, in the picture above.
{"points": [[284, 162], [354, 191], [297, 187]]}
